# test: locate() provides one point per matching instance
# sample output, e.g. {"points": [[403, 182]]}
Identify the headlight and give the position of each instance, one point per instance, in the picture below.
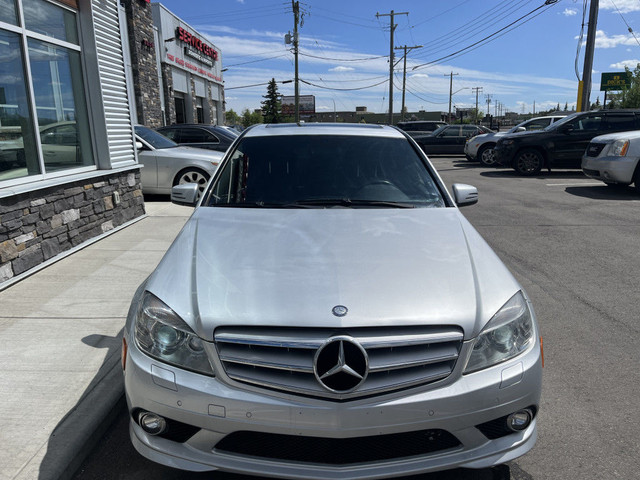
{"points": [[162, 334], [619, 148], [508, 334]]}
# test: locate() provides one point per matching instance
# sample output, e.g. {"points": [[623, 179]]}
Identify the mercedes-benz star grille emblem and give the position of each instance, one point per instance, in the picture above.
{"points": [[339, 310], [341, 364]]}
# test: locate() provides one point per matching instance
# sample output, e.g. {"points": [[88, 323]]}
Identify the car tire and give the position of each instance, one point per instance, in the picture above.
{"points": [[192, 175], [636, 179], [528, 162], [486, 155]]}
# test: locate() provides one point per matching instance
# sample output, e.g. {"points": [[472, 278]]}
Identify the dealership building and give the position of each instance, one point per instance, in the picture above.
{"points": [[75, 77], [176, 71]]}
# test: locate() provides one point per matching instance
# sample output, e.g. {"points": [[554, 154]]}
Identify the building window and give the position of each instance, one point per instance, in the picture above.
{"points": [[41, 90], [18, 154], [180, 110], [8, 12], [199, 110]]}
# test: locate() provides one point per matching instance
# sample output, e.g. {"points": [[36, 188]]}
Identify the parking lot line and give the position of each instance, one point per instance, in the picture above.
{"points": [[573, 184]]}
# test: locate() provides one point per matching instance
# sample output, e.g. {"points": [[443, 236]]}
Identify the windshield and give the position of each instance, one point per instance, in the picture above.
{"points": [[153, 138], [559, 123], [439, 129], [324, 171]]}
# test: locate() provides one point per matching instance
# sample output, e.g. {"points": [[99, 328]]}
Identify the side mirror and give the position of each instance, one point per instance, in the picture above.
{"points": [[521, 129], [464, 194], [139, 145], [567, 129], [186, 194]]}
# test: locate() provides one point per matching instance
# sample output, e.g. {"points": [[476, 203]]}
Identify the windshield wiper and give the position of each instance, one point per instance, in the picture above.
{"points": [[256, 205], [347, 202]]}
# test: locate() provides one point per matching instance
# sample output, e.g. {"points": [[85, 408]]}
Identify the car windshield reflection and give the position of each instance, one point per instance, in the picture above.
{"points": [[319, 171]]}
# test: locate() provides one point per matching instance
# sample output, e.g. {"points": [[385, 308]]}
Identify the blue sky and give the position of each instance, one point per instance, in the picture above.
{"points": [[344, 47]]}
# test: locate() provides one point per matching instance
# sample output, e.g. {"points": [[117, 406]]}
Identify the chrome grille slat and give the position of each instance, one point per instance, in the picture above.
{"points": [[393, 360], [281, 358]]}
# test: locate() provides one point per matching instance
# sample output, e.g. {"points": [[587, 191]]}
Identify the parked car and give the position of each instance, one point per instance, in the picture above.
{"points": [[481, 146], [449, 138], [561, 144], [167, 164], [211, 137], [614, 159], [328, 312], [420, 127], [60, 148]]}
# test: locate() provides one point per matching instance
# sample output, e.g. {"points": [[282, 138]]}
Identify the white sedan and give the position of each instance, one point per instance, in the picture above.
{"points": [[613, 158]]}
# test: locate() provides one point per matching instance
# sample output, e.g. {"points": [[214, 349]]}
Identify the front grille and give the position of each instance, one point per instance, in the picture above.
{"points": [[594, 149], [336, 451], [283, 358]]}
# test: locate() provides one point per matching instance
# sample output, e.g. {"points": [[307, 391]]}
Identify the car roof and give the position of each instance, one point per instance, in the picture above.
{"points": [[352, 129]]}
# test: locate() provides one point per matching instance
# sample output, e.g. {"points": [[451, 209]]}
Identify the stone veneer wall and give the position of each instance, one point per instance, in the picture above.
{"points": [[143, 60], [41, 224], [169, 102]]}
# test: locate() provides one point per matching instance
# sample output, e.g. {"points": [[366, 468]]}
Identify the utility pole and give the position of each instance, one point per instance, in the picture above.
{"points": [[477, 90], [404, 72], [450, 92], [296, 16], [488, 97], [391, 58], [584, 87]]}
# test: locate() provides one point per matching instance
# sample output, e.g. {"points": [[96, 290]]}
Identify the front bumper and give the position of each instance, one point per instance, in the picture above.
{"points": [[503, 154], [610, 169], [220, 406], [471, 150]]}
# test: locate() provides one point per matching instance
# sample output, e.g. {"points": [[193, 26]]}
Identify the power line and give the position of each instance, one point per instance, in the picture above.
{"points": [[258, 60], [546, 3], [625, 22], [344, 89], [344, 59]]}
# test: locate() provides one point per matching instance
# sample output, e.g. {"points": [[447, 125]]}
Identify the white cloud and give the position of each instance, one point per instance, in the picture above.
{"points": [[569, 12], [342, 69], [631, 64], [605, 41], [625, 6]]}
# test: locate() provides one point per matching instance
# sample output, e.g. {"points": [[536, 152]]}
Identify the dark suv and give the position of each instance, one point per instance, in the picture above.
{"points": [[211, 137], [420, 127], [561, 144]]}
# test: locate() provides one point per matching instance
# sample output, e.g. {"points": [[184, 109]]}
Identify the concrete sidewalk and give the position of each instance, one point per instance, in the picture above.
{"points": [[60, 331]]}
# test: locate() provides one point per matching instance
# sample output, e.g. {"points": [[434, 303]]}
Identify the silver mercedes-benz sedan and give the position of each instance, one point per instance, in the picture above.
{"points": [[328, 312]]}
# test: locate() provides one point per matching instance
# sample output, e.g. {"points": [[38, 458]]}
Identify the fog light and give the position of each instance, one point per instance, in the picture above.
{"points": [[151, 423], [519, 420]]}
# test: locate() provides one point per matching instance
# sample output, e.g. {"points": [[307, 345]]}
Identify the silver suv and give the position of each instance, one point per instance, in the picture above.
{"points": [[328, 312]]}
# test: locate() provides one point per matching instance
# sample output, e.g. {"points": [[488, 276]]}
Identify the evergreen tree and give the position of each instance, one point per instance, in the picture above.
{"points": [[566, 106], [271, 106]]}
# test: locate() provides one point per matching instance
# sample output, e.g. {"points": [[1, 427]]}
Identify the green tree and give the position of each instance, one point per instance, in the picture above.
{"points": [[630, 97], [566, 106], [250, 118], [231, 117], [271, 106]]}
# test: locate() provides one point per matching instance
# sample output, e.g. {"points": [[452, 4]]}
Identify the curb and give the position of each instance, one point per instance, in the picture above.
{"points": [[83, 427]]}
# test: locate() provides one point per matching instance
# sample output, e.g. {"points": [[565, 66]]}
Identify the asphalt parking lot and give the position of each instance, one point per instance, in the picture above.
{"points": [[573, 244]]}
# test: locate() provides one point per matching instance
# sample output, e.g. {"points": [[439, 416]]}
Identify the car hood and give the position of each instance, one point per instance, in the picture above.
{"points": [[190, 153], [527, 134], [274, 267], [633, 135]]}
